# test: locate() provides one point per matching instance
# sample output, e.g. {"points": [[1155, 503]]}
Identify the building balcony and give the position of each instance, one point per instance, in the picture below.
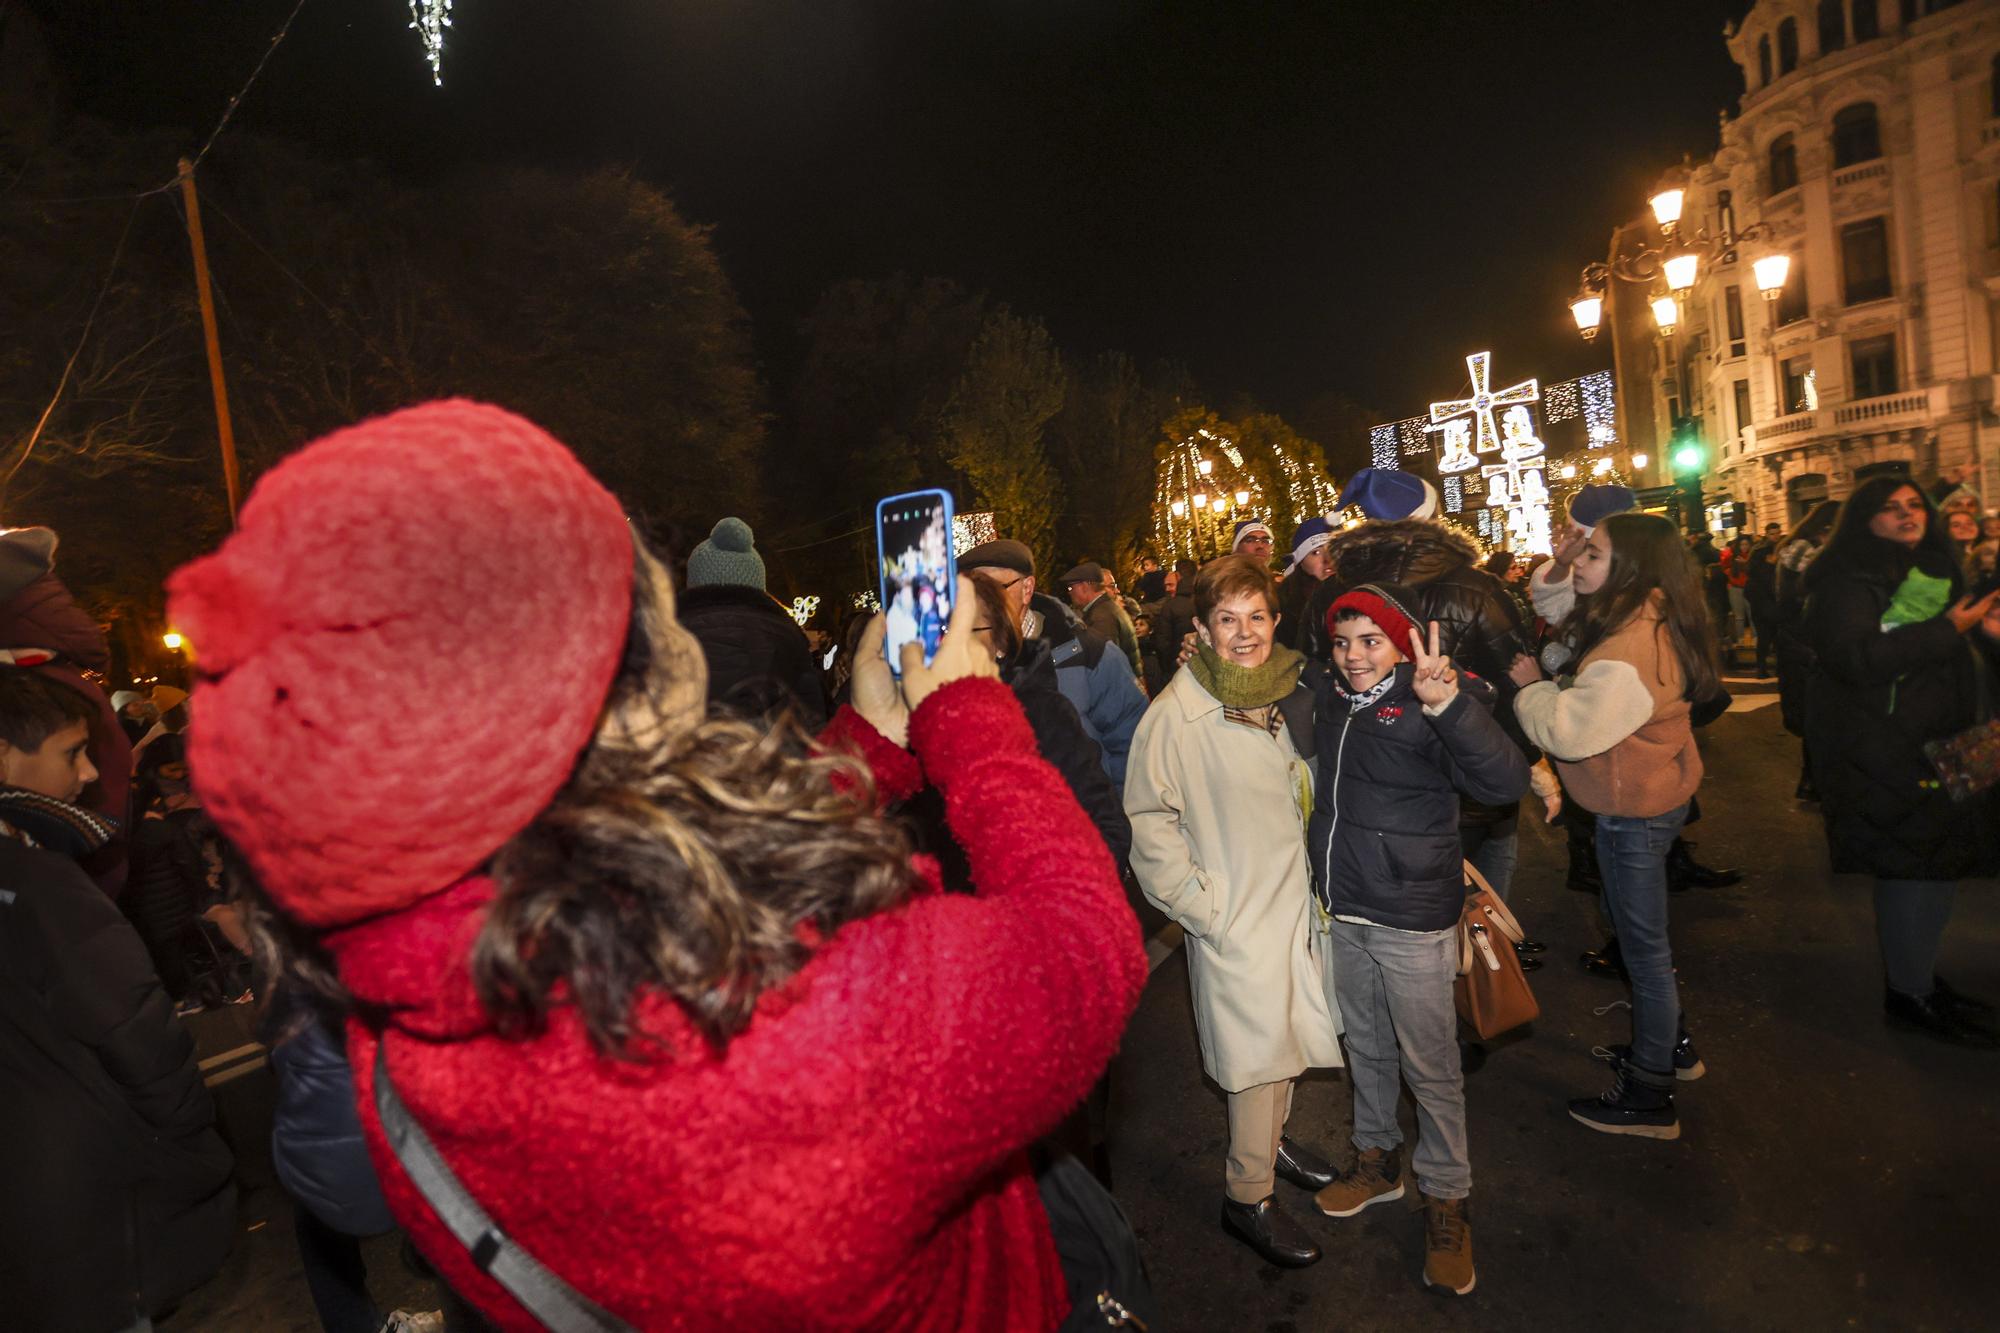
{"points": [[1913, 408]]}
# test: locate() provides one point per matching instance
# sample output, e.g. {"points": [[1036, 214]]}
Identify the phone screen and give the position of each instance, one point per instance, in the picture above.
{"points": [[919, 571]]}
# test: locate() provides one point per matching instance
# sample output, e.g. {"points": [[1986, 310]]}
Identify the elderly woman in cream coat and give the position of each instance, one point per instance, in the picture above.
{"points": [[1218, 793]]}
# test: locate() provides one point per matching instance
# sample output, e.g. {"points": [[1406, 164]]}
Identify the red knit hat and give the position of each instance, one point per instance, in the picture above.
{"points": [[404, 647], [1386, 605]]}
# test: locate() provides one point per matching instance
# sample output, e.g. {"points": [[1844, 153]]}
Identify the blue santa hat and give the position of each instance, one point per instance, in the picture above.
{"points": [[1245, 528], [1593, 504], [1313, 534], [1385, 493]]}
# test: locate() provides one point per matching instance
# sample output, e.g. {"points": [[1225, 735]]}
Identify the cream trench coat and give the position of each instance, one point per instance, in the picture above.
{"points": [[1219, 845]]}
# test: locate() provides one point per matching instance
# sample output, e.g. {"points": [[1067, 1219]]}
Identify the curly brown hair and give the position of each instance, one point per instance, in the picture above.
{"points": [[698, 856]]}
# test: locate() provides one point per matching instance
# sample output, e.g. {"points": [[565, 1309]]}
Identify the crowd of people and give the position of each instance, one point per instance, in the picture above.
{"points": [[809, 972]]}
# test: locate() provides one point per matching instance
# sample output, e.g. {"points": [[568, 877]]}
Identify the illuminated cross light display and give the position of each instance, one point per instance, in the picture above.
{"points": [[429, 19], [1460, 441]]}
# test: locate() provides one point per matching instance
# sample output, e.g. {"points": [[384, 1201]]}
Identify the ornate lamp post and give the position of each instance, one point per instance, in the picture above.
{"points": [[1671, 267]]}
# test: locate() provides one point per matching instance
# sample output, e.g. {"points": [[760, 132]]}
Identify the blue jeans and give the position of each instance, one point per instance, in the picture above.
{"points": [[1632, 857], [1494, 849]]}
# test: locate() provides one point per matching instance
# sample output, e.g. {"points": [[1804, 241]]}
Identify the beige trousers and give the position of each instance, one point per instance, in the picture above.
{"points": [[1256, 1120]]}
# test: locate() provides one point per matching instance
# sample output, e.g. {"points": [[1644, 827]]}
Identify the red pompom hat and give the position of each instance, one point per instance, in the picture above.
{"points": [[1385, 604], [403, 649]]}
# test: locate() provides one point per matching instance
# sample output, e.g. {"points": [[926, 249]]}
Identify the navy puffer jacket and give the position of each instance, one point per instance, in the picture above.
{"points": [[316, 1143]]}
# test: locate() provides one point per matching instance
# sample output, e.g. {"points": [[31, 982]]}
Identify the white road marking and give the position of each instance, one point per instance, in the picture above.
{"points": [[1750, 703]]}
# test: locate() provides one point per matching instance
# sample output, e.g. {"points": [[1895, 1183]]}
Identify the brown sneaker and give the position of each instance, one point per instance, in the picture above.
{"points": [[1375, 1177], [1447, 1246]]}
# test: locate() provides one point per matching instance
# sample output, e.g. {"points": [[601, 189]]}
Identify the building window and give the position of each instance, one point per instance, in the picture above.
{"points": [[1874, 366], [1788, 47], [1832, 26], [1782, 172], [1764, 61], [1864, 261], [1792, 297], [1867, 25], [1742, 406], [1732, 307], [1856, 136], [1795, 374]]}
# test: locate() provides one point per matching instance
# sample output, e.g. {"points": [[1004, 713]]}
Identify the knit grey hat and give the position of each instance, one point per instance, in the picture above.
{"points": [[728, 556]]}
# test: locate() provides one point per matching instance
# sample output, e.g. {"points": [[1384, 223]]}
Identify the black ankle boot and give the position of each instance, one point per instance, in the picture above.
{"points": [[1608, 961], [1640, 1103], [1935, 1016], [1268, 1231], [1964, 1004], [1684, 872]]}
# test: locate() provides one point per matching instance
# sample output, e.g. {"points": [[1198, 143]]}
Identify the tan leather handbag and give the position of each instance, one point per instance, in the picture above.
{"points": [[1491, 991]]}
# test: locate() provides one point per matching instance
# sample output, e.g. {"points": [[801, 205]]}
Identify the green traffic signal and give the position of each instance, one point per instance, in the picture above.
{"points": [[1688, 458]]}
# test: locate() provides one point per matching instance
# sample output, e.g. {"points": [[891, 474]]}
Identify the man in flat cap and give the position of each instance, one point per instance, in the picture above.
{"points": [[1101, 611], [1096, 679]]}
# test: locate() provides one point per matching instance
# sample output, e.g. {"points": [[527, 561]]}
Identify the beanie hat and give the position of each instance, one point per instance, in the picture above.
{"points": [[1245, 528], [1385, 604], [1313, 535], [1385, 493], [404, 647], [25, 555], [1593, 504], [728, 556]]}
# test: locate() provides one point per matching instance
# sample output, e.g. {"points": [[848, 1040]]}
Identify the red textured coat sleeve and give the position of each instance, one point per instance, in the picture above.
{"points": [[897, 774], [1009, 1003]]}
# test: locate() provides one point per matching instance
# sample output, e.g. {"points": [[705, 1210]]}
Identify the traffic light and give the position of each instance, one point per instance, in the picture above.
{"points": [[1690, 458]]}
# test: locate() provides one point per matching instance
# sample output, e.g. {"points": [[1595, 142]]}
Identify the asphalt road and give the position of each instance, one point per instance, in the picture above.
{"points": [[1830, 1173]]}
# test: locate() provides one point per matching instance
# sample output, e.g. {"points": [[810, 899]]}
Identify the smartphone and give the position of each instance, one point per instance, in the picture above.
{"points": [[919, 570]]}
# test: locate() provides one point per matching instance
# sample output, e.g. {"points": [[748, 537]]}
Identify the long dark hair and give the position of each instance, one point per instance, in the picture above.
{"points": [[1853, 545], [1817, 520], [1647, 554]]}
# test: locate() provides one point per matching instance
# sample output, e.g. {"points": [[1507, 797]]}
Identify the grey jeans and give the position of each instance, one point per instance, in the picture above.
{"points": [[1395, 995]]}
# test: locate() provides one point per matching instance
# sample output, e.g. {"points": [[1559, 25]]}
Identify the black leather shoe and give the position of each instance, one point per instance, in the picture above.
{"points": [[1968, 1005], [1303, 1167], [1530, 964], [1684, 872], [1270, 1232], [1531, 946], [1934, 1016], [1608, 961]]}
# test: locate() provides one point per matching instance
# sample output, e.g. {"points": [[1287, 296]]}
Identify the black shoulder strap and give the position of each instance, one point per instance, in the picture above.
{"points": [[541, 1293]]}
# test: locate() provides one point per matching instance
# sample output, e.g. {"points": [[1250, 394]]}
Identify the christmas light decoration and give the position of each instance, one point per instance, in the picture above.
{"points": [[866, 600], [1205, 484], [1382, 448], [1483, 400], [429, 19], [971, 529], [1600, 408], [803, 608]]}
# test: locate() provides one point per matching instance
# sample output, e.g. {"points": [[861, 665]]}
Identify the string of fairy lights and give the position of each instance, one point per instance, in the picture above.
{"points": [[429, 19], [1205, 487]]}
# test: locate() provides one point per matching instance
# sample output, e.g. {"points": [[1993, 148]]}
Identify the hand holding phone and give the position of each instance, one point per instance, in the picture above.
{"points": [[919, 571]]}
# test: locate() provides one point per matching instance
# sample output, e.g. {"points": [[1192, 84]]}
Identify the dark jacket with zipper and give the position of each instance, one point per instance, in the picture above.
{"points": [[316, 1144], [1383, 839], [758, 657], [115, 1191], [1874, 699]]}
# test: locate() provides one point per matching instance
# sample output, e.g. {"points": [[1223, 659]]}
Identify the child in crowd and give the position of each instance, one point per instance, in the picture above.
{"points": [[1398, 738], [1619, 731]]}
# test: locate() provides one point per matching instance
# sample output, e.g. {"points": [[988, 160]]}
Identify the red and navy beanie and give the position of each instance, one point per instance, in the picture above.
{"points": [[1385, 604], [403, 649]]}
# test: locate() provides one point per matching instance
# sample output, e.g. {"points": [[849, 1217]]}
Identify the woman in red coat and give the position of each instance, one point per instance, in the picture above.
{"points": [[663, 989]]}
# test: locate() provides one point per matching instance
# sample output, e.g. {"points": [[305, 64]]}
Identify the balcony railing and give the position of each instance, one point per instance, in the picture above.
{"points": [[1894, 411], [1860, 171]]}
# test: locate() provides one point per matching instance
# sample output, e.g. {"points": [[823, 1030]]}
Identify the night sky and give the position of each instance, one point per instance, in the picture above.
{"points": [[1286, 198]]}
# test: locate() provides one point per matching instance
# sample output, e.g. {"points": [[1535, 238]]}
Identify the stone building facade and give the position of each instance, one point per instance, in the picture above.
{"points": [[1868, 146]]}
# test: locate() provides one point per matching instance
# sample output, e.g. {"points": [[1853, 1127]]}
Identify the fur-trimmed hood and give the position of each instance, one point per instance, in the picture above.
{"points": [[1409, 551]]}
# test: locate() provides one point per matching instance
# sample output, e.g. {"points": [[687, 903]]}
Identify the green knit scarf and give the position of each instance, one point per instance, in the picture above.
{"points": [[1247, 687]]}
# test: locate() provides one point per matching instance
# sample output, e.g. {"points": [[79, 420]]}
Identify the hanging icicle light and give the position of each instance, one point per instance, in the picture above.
{"points": [[429, 19]]}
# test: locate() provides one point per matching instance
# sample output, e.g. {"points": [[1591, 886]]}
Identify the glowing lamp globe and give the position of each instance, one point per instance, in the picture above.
{"points": [[1568, 471], [1638, 460], [1205, 466], [1666, 313], [1680, 271], [1243, 497], [1667, 208], [1179, 507], [1201, 499], [173, 641], [1600, 467], [1589, 313], [1771, 272]]}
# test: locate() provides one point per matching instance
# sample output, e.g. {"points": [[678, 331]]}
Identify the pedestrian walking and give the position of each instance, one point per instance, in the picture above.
{"points": [[617, 958], [1218, 791], [1620, 734], [1902, 657], [1404, 740]]}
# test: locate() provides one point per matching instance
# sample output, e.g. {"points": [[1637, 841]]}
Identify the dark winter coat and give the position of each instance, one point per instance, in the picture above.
{"points": [[1874, 699], [115, 1190], [1030, 673], [1383, 839], [1294, 597], [1479, 622], [1795, 658], [1106, 617], [316, 1144], [164, 894], [1172, 623], [758, 657]]}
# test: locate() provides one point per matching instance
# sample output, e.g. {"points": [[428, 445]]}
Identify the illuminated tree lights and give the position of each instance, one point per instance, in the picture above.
{"points": [[1206, 488], [429, 19]]}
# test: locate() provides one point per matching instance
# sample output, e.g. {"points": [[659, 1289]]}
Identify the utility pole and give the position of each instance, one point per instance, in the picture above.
{"points": [[228, 435]]}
